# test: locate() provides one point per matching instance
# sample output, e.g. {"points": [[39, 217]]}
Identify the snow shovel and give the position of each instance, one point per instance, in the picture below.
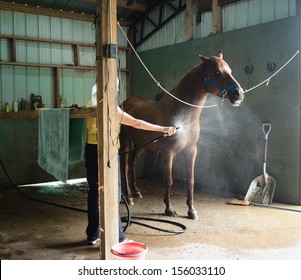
{"points": [[262, 188]]}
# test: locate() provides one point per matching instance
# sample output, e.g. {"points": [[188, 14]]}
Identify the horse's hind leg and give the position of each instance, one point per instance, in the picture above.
{"points": [[135, 156], [167, 159], [124, 169], [125, 162], [190, 155]]}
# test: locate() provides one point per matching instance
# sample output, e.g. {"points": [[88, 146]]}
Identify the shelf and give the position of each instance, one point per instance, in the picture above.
{"points": [[80, 113]]}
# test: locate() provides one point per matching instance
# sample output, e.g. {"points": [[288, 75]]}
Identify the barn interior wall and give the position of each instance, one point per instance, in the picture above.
{"points": [[231, 146], [21, 81], [19, 137]]}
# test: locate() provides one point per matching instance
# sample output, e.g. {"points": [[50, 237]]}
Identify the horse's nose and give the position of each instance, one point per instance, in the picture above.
{"points": [[236, 96], [238, 93]]}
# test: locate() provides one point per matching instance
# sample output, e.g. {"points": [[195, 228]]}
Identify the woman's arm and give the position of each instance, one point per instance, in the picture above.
{"points": [[127, 119]]}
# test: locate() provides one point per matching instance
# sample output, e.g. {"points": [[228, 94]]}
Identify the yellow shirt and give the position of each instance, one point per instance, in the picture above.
{"points": [[91, 128]]}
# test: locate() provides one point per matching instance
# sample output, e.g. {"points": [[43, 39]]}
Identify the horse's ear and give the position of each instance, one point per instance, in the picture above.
{"points": [[203, 58], [220, 54]]}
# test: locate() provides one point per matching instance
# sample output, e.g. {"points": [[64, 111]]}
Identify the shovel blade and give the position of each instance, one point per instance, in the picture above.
{"points": [[261, 190]]}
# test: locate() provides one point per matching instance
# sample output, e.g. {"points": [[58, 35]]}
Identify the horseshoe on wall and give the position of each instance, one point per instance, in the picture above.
{"points": [[271, 66], [249, 69]]}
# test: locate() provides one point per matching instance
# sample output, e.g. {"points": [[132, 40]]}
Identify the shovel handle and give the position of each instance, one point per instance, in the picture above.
{"points": [[266, 128]]}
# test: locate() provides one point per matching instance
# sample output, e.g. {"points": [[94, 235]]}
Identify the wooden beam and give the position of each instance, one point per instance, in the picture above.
{"points": [[204, 5], [25, 64], [76, 51], [14, 50], [216, 17], [189, 19], [57, 92], [134, 7], [80, 113], [139, 7], [43, 40], [225, 2], [106, 36], [44, 11]]}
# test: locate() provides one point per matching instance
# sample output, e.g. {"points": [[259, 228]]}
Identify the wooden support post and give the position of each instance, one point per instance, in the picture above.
{"points": [[57, 94], [76, 51], [216, 17], [189, 19], [106, 65], [14, 50]]}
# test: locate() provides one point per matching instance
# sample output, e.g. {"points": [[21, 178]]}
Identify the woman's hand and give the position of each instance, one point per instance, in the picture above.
{"points": [[169, 130]]}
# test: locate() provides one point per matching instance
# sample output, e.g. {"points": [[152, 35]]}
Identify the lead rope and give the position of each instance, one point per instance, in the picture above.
{"points": [[266, 81], [158, 84]]}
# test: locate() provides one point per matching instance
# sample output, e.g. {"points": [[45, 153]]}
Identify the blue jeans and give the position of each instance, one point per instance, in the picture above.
{"points": [[91, 163]]}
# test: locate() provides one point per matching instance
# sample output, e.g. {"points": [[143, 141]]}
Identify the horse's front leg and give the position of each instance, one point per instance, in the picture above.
{"points": [[190, 156], [168, 160]]}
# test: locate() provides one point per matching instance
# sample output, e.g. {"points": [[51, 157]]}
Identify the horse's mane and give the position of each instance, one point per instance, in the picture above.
{"points": [[187, 81], [190, 74]]}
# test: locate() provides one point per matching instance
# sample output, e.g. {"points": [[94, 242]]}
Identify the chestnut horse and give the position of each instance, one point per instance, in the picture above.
{"points": [[211, 76]]}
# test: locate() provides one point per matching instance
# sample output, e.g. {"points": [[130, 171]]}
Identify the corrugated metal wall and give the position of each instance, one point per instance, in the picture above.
{"points": [[237, 15], [172, 33], [18, 82], [251, 12], [19, 137]]}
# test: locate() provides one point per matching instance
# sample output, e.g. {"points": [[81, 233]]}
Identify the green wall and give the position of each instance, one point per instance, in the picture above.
{"points": [[19, 154], [231, 146]]}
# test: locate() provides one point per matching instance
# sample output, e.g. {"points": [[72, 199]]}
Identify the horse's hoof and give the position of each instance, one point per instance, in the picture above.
{"points": [[130, 200], [192, 215], [170, 213], [138, 195]]}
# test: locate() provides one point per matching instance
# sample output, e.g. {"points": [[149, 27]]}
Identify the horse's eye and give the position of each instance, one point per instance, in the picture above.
{"points": [[217, 73]]}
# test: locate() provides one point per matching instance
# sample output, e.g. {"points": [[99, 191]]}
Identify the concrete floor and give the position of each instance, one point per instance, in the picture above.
{"points": [[32, 231]]}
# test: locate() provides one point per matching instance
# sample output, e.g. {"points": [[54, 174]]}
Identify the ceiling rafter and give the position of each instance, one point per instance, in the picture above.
{"points": [[140, 23]]}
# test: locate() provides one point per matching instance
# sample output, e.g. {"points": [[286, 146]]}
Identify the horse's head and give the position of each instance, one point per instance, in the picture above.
{"points": [[219, 80]]}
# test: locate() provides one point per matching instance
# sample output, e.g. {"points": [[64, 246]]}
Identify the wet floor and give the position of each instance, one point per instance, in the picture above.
{"points": [[33, 230]]}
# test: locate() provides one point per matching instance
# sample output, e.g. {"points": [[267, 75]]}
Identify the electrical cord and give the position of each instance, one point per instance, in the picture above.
{"points": [[131, 220], [127, 219]]}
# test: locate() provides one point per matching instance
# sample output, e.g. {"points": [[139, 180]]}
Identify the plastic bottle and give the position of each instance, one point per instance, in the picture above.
{"points": [[22, 105], [16, 106], [7, 107]]}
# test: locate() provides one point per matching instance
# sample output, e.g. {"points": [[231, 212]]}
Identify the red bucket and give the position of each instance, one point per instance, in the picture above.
{"points": [[129, 251]]}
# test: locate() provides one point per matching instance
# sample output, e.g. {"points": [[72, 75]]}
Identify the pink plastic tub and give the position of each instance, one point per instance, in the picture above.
{"points": [[129, 251]]}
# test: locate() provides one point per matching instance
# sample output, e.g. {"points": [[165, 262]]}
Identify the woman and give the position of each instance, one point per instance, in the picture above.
{"points": [[91, 158]]}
